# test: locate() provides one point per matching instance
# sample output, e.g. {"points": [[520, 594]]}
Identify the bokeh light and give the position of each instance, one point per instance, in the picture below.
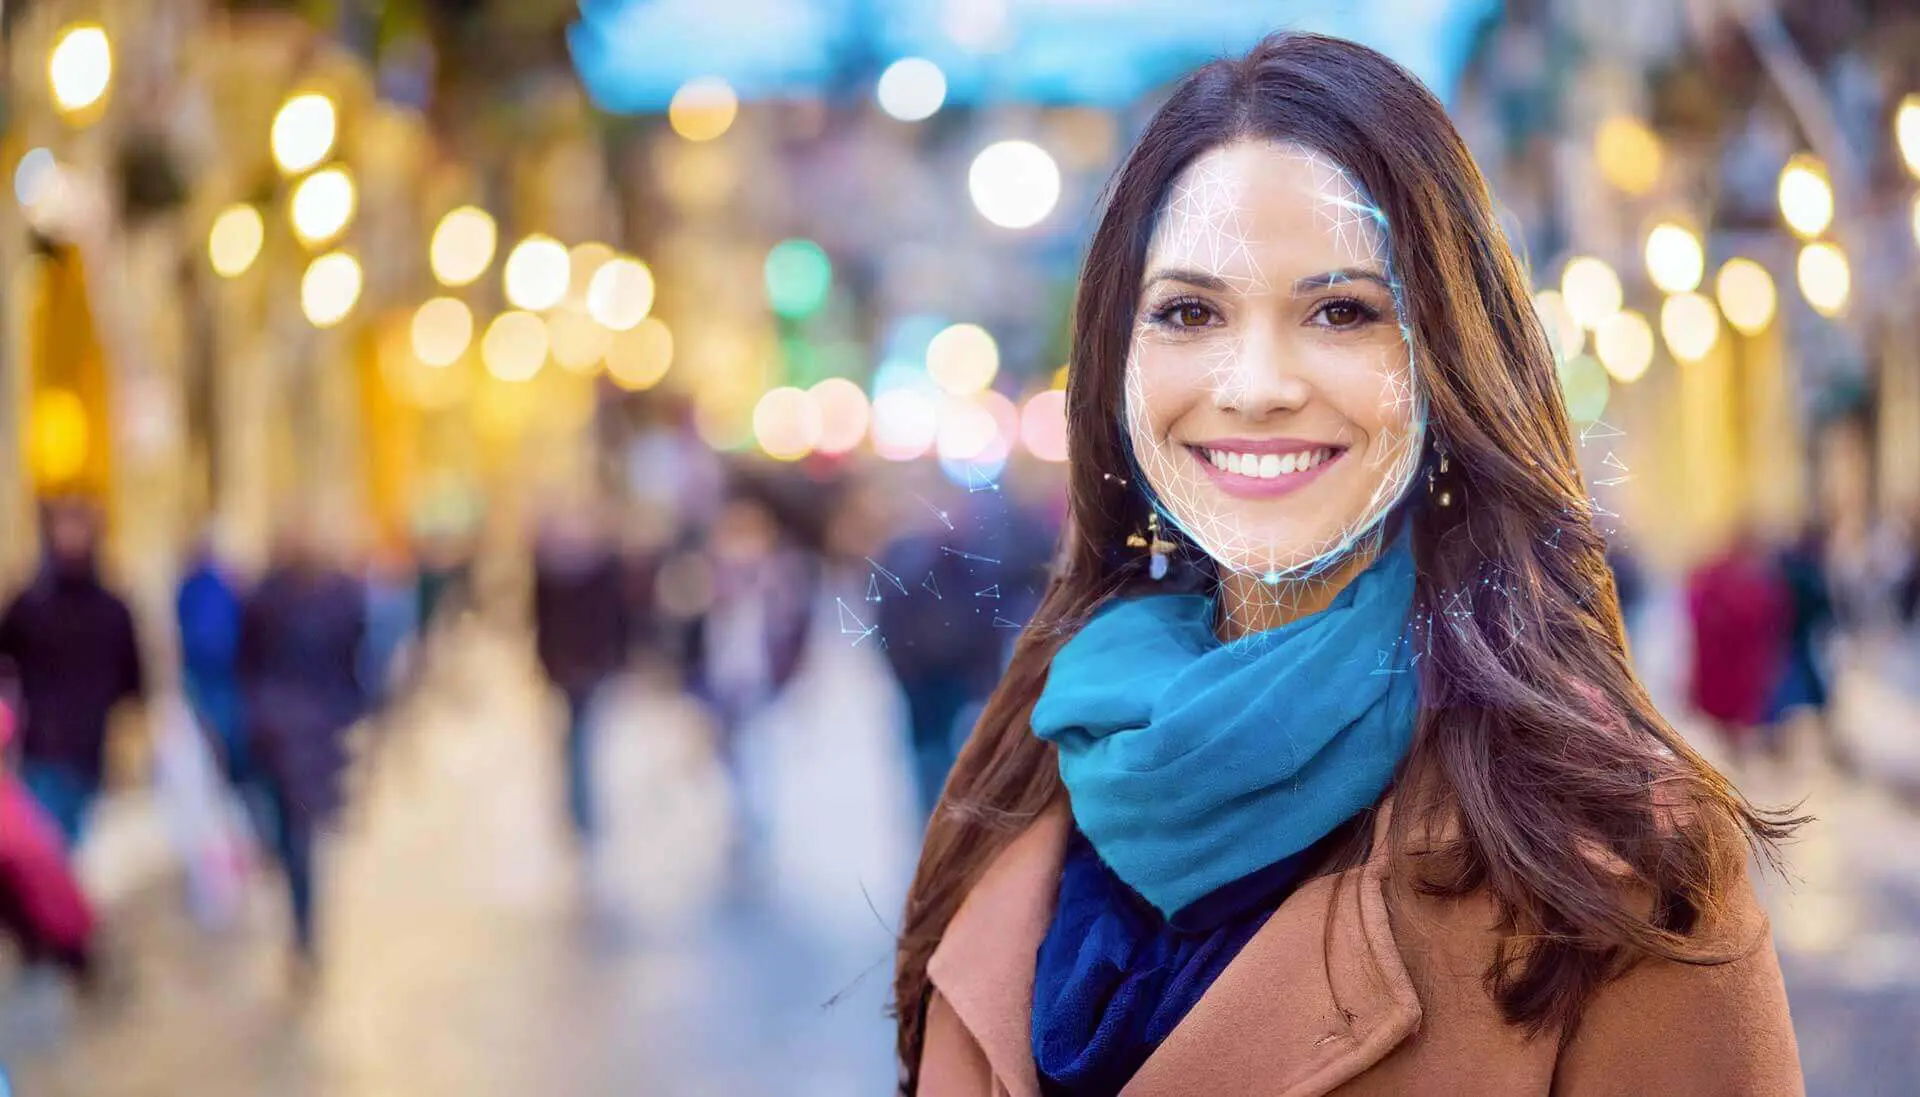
{"points": [[442, 330], [463, 246], [303, 132], [37, 173], [330, 288], [905, 423], [621, 293], [967, 428], [1691, 326], [844, 414], [703, 109], [1746, 294], [1806, 196], [1563, 331], [1906, 134], [58, 436], [80, 68], [799, 277], [537, 273], [1628, 154], [578, 342], [322, 206], [515, 346], [234, 241], [1591, 290], [1624, 344], [912, 88], [1585, 385], [1825, 278], [1043, 425], [1014, 184], [639, 358], [1675, 260], [963, 359], [786, 423], [583, 262]]}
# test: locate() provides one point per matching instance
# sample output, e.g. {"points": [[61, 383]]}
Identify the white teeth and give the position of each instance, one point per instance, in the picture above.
{"points": [[1267, 466]]}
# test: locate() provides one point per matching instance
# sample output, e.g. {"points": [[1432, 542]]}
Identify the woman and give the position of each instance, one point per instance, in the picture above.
{"points": [[1322, 769]]}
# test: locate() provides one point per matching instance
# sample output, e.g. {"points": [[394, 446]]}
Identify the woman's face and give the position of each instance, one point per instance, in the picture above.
{"points": [[1270, 396]]}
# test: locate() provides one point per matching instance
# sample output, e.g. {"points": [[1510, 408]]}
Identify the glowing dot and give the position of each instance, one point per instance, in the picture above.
{"points": [[639, 358], [703, 109], [621, 293], [235, 239], [1624, 343], [330, 288], [442, 331], [844, 414], [579, 341], [80, 67], [963, 359], [537, 273], [1014, 184], [1691, 326], [463, 246], [303, 132], [912, 88], [515, 346], [799, 276], [1825, 279], [1806, 197], [1675, 260], [786, 423], [1746, 295], [1591, 290], [322, 205], [1043, 425], [906, 422]]}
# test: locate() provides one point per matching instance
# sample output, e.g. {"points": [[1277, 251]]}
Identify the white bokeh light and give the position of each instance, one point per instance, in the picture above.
{"points": [[912, 88], [1014, 184], [538, 272]]}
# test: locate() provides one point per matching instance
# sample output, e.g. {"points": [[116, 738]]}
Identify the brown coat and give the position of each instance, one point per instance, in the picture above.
{"points": [[1388, 999]]}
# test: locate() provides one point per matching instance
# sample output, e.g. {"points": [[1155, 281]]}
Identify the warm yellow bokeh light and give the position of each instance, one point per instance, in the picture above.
{"points": [[1806, 196], [538, 272], [330, 288], [80, 68], [1563, 331], [58, 437], [639, 358], [463, 246], [786, 423], [442, 331], [621, 293], [579, 342], [703, 109], [235, 239], [515, 346], [1628, 154], [1746, 294], [1691, 326], [844, 414], [1624, 345], [1825, 278], [1906, 134], [1675, 260], [963, 359], [583, 262], [323, 205], [303, 132], [1591, 290]]}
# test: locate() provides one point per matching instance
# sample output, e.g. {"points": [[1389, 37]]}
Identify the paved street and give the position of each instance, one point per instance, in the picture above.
{"points": [[474, 953]]}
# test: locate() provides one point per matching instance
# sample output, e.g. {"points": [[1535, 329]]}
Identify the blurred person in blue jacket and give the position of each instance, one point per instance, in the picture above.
{"points": [[207, 611]]}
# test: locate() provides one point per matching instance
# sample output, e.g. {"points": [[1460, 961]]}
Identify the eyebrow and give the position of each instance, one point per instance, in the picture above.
{"points": [[1310, 284]]}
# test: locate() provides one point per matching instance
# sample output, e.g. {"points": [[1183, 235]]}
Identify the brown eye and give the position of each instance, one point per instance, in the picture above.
{"points": [[1192, 316], [1342, 314]]}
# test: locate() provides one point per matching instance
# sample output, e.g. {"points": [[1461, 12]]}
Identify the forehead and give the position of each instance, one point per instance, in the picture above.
{"points": [[1260, 210]]}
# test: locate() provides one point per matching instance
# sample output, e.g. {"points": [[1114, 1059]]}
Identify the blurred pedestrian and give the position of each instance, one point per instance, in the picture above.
{"points": [[581, 634], [41, 905], [207, 609], [300, 648], [1802, 685], [1741, 610], [74, 650]]}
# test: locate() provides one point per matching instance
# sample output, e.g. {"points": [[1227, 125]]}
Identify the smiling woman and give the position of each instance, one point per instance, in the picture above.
{"points": [[1363, 797]]}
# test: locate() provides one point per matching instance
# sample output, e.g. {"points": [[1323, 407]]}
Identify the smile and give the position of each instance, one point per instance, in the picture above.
{"points": [[1264, 469]]}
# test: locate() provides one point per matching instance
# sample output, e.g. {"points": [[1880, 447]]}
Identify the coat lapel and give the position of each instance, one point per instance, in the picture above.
{"points": [[1304, 1008]]}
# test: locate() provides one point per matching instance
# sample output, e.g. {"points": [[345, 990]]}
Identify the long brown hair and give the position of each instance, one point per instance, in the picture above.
{"points": [[1535, 744]]}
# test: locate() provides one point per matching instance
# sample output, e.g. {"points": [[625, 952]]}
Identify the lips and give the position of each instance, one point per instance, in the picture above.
{"points": [[1264, 468]]}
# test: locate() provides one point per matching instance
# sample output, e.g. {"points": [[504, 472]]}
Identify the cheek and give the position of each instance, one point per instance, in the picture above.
{"points": [[1379, 395], [1158, 390]]}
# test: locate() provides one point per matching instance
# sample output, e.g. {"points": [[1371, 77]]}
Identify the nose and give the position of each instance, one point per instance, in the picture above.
{"points": [[1255, 379]]}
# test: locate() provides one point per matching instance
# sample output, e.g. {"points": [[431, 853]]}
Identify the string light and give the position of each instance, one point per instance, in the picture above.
{"points": [[303, 132]]}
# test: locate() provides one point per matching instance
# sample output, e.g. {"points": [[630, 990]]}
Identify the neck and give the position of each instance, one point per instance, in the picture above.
{"points": [[1250, 604]]}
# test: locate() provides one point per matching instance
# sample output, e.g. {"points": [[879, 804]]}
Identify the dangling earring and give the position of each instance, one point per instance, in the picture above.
{"points": [[1157, 548], [1442, 496]]}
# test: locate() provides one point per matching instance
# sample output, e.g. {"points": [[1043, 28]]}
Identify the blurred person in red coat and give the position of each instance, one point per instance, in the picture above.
{"points": [[1741, 608]]}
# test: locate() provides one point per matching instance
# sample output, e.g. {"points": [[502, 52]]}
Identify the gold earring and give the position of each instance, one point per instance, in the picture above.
{"points": [[1157, 547]]}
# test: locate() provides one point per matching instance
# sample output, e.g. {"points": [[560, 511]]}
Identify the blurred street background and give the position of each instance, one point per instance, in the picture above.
{"points": [[507, 507]]}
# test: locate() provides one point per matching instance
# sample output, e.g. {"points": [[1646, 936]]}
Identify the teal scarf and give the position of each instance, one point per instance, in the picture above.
{"points": [[1191, 763]]}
